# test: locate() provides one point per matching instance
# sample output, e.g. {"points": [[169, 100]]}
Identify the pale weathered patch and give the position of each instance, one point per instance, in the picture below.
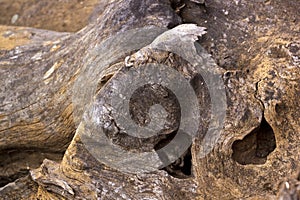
{"points": [[47, 77]]}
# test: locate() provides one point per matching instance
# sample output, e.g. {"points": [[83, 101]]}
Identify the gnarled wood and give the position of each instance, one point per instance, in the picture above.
{"points": [[255, 43]]}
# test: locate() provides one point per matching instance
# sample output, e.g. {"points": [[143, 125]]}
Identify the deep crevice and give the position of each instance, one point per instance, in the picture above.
{"points": [[255, 147], [16, 163], [182, 167], [4, 180]]}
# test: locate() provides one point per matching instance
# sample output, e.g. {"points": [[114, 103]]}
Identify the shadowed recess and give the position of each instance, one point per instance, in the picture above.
{"points": [[256, 146], [182, 167], [16, 163]]}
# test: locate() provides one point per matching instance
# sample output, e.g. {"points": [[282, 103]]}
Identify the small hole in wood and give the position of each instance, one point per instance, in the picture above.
{"points": [[256, 146], [182, 167]]}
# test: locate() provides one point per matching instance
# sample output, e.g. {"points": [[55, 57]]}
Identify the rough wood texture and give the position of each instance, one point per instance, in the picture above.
{"points": [[256, 44]]}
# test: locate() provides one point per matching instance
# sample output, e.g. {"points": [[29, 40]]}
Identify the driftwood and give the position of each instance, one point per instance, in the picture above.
{"points": [[45, 76]]}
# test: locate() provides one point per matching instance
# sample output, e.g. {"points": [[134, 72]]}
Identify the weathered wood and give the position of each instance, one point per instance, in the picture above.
{"points": [[258, 148]]}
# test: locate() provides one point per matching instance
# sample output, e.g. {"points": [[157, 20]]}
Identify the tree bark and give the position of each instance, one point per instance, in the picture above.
{"points": [[256, 46]]}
